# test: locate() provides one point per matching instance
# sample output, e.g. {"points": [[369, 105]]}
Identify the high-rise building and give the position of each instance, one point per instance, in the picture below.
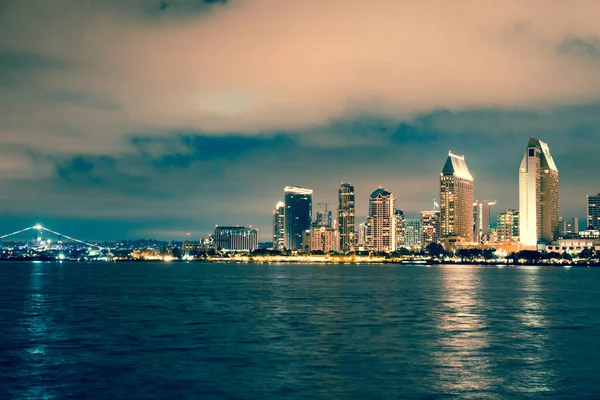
{"points": [[456, 199], [430, 227], [412, 231], [400, 229], [568, 228], [381, 231], [323, 238], [482, 218], [538, 195], [346, 217], [361, 235], [507, 226], [279, 226], [593, 211], [236, 238], [298, 215], [324, 218]]}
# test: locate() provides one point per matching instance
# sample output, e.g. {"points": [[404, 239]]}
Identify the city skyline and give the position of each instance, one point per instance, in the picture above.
{"points": [[137, 119]]}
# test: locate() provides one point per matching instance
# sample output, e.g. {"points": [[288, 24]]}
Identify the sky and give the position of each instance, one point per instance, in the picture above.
{"points": [[152, 119]]}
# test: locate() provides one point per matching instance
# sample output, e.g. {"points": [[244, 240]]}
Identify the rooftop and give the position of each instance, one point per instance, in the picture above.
{"points": [[456, 165]]}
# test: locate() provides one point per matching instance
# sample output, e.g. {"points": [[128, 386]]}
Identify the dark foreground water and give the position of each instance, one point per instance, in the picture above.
{"points": [[208, 331]]}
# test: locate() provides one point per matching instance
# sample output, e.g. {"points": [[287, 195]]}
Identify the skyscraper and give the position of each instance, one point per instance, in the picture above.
{"points": [[593, 211], [400, 229], [346, 217], [456, 199], [381, 230], [507, 225], [538, 195], [279, 226], [430, 227], [482, 218], [298, 215], [412, 233]]}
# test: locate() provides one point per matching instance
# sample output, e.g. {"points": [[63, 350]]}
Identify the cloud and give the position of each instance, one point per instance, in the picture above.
{"points": [[136, 109]]}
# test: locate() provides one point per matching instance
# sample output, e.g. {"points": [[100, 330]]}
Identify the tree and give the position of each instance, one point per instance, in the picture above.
{"points": [[435, 250]]}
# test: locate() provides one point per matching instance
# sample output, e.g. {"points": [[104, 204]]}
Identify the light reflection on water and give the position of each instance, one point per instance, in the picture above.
{"points": [[461, 359], [242, 331]]}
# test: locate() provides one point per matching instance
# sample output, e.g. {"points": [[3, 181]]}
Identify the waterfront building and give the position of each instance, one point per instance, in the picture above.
{"points": [[430, 227], [538, 195], [323, 238], [412, 231], [279, 226], [568, 228], [456, 199], [507, 226], [236, 238], [593, 211], [346, 217], [298, 215], [400, 229], [482, 218], [381, 231]]}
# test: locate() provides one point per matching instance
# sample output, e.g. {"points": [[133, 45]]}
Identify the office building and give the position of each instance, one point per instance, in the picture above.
{"points": [[400, 229], [538, 195], [346, 217], [593, 211], [482, 219], [323, 238], [361, 235], [568, 228], [456, 199], [279, 226], [298, 215], [236, 238], [412, 233], [507, 226], [381, 231], [430, 227]]}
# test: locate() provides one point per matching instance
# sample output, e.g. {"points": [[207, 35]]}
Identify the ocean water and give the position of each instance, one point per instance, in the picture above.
{"points": [[244, 331]]}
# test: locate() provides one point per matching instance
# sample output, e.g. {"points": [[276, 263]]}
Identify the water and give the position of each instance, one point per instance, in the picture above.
{"points": [[218, 331]]}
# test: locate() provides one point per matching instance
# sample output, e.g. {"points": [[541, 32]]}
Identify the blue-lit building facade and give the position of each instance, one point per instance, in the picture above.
{"points": [[298, 215]]}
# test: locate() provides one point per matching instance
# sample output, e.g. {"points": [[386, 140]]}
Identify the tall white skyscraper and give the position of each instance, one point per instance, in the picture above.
{"points": [[538, 195], [381, 230]]}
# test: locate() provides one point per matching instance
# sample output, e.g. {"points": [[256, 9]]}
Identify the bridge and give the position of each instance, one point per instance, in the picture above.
{"points": [[39, 228]]}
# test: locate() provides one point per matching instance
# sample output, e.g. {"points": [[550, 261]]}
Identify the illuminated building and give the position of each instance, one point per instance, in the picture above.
{"points": [[482, 218], [346, 217], [538, 195], [593, 211], [430, 227], [456, 199], [279, 226], [507, 226], [298, 215], [323, 238], [400, 229], [381, 231], [362, 235], [412, 233], [235, 238]]}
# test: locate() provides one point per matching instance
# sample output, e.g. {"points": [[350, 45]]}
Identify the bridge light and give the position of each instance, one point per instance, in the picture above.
{"points": [[38, 227]]}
